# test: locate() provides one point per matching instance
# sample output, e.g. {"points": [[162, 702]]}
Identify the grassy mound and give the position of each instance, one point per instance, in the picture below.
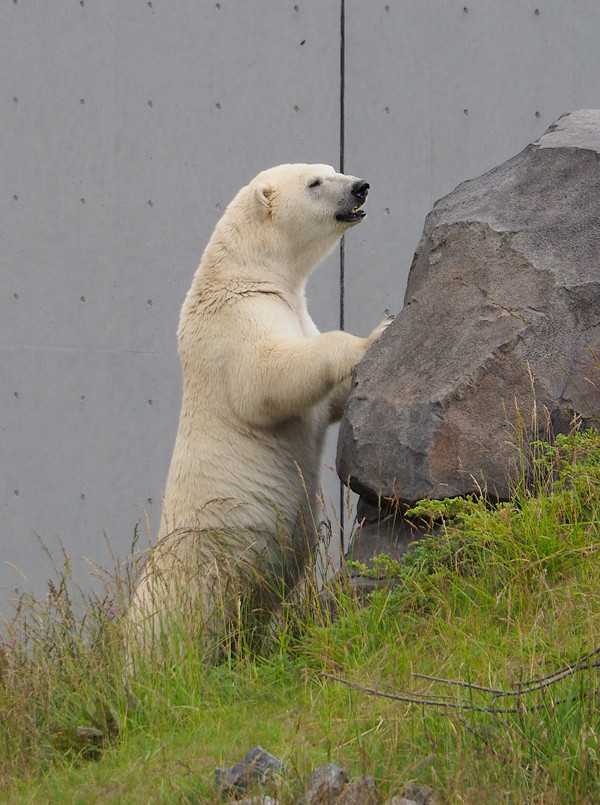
{"points": [[476, 673]]}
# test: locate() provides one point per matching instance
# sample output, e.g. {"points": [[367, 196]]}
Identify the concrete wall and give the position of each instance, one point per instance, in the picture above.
{"points": [[128, 125]]}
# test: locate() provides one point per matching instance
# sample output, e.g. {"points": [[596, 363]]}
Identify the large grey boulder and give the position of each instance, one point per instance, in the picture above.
{"points": [[499, 332]]}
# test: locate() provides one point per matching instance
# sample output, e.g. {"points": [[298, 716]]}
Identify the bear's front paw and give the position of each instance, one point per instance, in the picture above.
{"points": [[383, 325]]}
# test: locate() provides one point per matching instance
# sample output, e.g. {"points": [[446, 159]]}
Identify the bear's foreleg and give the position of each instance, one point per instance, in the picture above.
{"points": [[285, 377]]}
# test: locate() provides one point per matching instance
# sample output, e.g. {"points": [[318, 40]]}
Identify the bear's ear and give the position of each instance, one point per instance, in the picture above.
{"points": [[264, 192]]}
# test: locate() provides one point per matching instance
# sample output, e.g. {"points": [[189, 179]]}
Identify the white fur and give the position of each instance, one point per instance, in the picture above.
{"points": [[260, 387]]}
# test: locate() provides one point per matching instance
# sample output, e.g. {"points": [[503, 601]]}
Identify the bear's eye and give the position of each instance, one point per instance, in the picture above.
{"points": [[315, 183]]}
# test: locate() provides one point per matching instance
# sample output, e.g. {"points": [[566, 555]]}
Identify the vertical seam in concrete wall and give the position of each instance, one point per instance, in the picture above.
{"points": [[342, 139], [342, 255]]}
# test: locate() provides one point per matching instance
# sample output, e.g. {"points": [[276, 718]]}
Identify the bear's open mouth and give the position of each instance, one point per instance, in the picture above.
{"points": [[352, 216]]}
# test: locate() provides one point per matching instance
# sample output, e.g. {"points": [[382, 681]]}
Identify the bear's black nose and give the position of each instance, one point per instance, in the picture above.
{"points": [[360, 188]]}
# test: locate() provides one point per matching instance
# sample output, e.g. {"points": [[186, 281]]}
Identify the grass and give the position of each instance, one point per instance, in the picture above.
{"points": [[465, 642]]}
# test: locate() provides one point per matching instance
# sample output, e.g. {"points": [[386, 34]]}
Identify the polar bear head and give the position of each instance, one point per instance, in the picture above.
{"points": [[314, 194], [294, 214]]}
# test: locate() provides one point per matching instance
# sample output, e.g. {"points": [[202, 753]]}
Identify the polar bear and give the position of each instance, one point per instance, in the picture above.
{"points": [[260, 386]]}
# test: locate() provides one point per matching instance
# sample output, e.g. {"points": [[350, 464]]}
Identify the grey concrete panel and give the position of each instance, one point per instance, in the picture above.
{"points": [[438, 92], [127, 128]]}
